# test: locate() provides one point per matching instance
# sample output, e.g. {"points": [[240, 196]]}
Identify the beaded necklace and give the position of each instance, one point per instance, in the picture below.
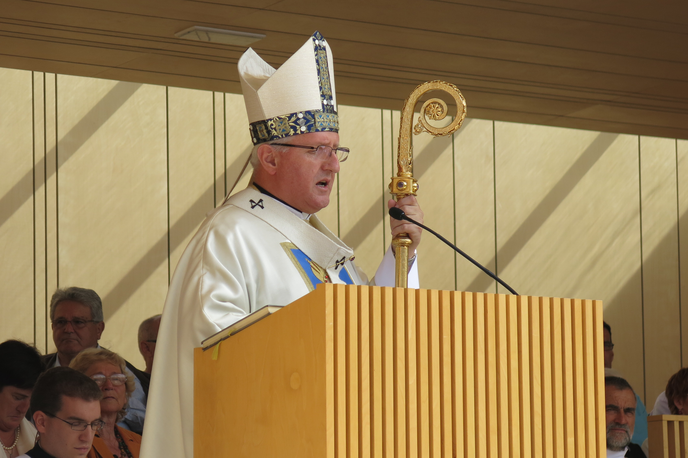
{"points": [[16, 439]]}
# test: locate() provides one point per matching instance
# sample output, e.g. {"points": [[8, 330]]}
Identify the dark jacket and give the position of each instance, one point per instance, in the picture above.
{"points": [[634, 451]]}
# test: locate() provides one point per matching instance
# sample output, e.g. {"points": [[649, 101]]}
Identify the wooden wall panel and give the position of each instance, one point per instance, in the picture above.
{"points": [[474, 204], [433, 158], [682, 185], [112, 200], [191, 165], [362, 201], [390, 146], [16, 204], [662, 316], [51, 218], [39, 197], [219, 135], [238, 144], [565, 194]]}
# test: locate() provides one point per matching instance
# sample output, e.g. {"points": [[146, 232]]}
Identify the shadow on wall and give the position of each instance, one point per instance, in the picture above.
{"points": [[105, 108], [545, 208], [371, 218], [150, 261]]}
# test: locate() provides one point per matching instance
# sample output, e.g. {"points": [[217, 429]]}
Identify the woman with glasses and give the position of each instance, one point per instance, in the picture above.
{"points": [[108, 370], [20, 366]]}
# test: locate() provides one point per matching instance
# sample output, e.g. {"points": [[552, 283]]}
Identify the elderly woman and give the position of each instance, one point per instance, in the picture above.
{"points": [[108, 369], [20, 366]]}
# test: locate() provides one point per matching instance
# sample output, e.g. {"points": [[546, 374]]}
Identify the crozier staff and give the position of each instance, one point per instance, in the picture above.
{"points": [[265, 244]]}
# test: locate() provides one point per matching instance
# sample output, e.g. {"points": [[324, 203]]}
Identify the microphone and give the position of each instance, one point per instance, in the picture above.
{"points": [[398, 214]]}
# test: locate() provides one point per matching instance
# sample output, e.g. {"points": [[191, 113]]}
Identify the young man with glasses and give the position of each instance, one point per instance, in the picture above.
{"points": [[264, 245], [65, 405]]}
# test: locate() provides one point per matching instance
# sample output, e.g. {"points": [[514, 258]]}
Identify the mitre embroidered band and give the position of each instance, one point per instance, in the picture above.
{"points": [[297, 98]]}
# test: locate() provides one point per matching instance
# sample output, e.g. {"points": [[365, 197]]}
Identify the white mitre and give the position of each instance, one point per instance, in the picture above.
{"points": [[298, 98]]}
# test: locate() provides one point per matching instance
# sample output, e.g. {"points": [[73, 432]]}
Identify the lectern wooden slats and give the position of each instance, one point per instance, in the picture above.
{"points": [[533, 338], [354, 371], [668, 436]]}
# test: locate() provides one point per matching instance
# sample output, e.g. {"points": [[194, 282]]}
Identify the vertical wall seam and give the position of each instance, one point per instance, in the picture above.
{"points": [[642, 278], [224, 136], [167, 154], [382, 178], [678, 243], [45, 205], [33, 202], [339, 224], [57, 193], [214, 153], [494, 194]]}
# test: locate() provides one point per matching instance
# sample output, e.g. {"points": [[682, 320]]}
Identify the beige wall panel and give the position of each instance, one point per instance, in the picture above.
{"points": [[433, 168], [219, 146], [568, 223], [390, 139], [39, 209], [113, 200], [660, 263], [362, 201], [51, 257], [238, 142], [191, 175], [16, 205], [474, 197], [682, 162]]}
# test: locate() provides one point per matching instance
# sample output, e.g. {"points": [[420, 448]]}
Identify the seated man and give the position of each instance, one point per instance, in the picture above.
{"points": [[640, 430], [148, 338], [77, 321], [65, 405], [620, 409]]}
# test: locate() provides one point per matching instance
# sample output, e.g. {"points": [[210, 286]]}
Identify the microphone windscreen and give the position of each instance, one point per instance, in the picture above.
{"points": [[397, 213]]}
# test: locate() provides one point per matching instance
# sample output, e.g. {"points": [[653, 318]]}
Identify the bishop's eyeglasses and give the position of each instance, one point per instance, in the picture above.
{"points": [[322, 152]]}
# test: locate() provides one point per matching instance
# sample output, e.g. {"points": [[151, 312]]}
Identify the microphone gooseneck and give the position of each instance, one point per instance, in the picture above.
{"points": [[399, 214]]}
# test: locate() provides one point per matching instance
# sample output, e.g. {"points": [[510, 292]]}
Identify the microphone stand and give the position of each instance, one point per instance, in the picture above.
{"points": [[398, 214]]}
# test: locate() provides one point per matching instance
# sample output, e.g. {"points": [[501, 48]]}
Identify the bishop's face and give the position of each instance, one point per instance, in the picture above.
{"points": [[303, 179]]}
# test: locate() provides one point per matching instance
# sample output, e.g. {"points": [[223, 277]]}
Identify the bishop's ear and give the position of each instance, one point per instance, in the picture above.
{"points": [[267, 156]]}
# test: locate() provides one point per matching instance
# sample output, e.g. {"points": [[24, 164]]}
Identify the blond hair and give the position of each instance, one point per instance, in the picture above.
{"points": [[90, 356]]}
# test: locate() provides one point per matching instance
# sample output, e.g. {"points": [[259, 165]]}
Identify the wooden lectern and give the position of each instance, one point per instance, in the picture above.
{"points": [[668, 436], [359, 371]]}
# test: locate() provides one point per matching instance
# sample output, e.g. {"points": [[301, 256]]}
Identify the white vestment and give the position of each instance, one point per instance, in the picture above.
{"points": [[250, 252]]}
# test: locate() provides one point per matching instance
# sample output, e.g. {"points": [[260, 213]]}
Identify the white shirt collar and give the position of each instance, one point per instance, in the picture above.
{"points": [[617, 454]]}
